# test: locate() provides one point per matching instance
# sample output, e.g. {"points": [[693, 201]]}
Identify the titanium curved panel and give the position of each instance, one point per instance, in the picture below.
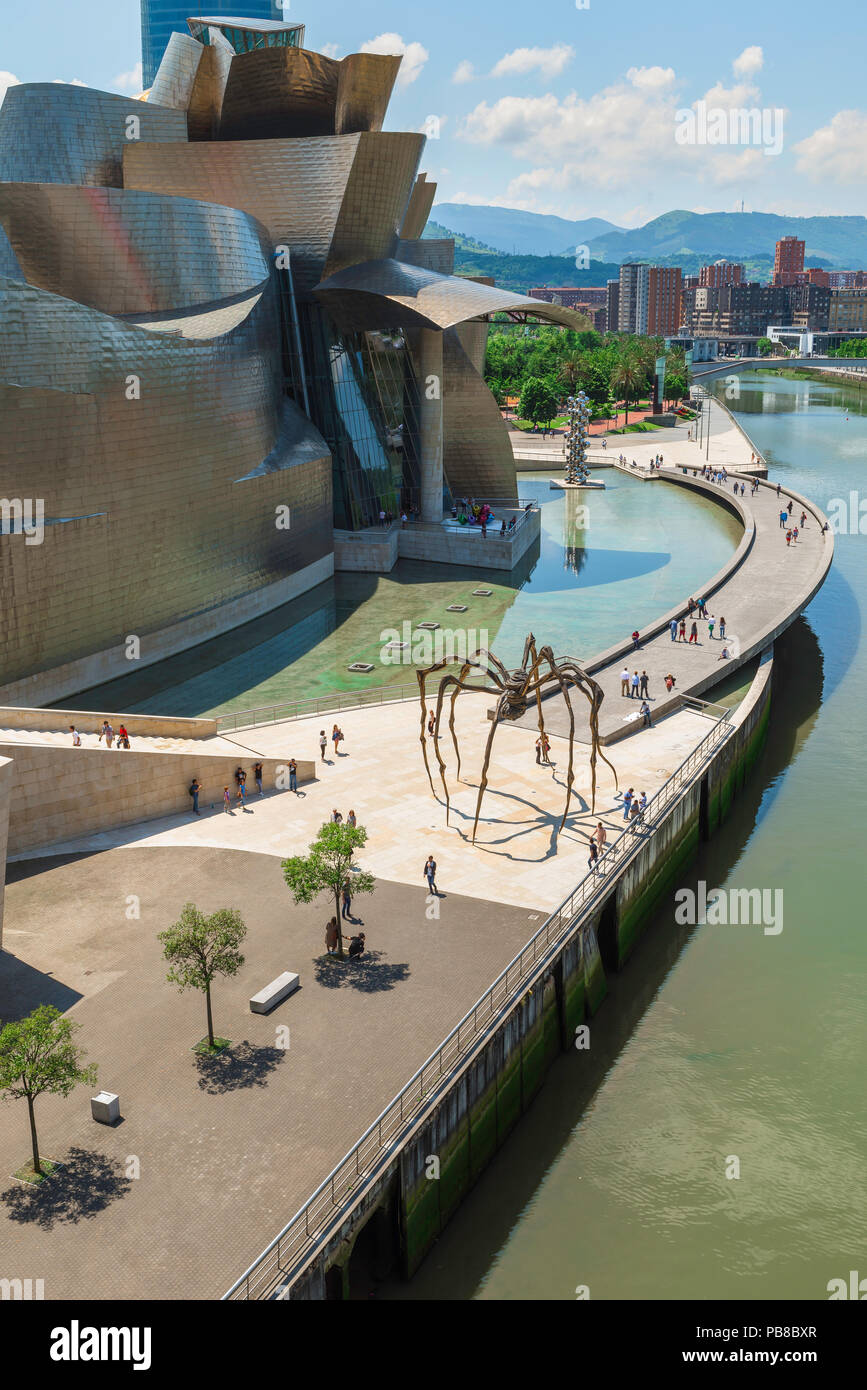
{"points": [[178, 535], [418, 209], [202, 321], [477, 455], [421, 297], [175, 79], [206, 102], [376, 197], [435, 254], [123, 251], [364, 86], [279, 92], [294, 187], [8, 264], [56, 133]]}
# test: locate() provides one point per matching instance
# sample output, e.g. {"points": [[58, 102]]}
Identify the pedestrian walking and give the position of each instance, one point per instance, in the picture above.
{"points": [[335, 738], [645, 714], [722, 627], [600, 835], [431, 722], [790, 506], [643, 690], [693, 634], [624, 681], [107, 733], [710, 628], [670, 682], [778, 489], [627, 802], [257, 778], [346, 900], [634, 683], [76, 736], [227, 801], [430, 873], [331, 936], [783, 518], [195, 788], [795, 534], [593, 857], [293, 776], [336, 817], [803, 520], [323, 744], [788, 538], [672, 627], [542, 746], [691, 607], [681, 631], [350, 819]]}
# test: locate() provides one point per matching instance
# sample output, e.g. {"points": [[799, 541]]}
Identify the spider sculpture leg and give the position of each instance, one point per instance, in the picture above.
{"points": [[420, 676], [595, 695], [501, 706], [493, 675], [548, 655], [443, 687]]}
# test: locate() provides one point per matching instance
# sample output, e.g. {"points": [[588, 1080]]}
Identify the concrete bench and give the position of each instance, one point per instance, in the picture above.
{"points": [[273, 994]]}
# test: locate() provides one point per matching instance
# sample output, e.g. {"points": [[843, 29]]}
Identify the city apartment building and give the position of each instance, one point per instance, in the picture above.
{"points": [[571, 296], [664, 284], [719, 274], [632, 310], [847, 312], [612, 290], [788, 257]]}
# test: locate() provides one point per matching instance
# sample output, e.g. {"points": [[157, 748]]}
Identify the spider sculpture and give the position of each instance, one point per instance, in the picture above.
{"points": [[515, 689]]}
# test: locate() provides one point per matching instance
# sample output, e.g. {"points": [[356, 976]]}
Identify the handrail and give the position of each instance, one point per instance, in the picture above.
{"points": [[402, 1113], [331, 703]]}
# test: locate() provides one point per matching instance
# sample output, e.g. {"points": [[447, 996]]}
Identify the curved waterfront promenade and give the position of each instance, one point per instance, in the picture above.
{"points": [[759, 592]]}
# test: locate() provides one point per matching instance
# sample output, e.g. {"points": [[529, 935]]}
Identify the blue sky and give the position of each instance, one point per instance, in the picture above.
{"points": [[565, 110]]}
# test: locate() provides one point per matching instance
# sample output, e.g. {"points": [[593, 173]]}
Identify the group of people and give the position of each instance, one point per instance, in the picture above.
{"points": [[336, 739], [332, 938], [106, 732], [337, 818], [792, 532]]}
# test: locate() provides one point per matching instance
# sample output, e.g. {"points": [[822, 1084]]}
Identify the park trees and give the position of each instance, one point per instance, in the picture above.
{"points": [[327, 867], [38, 1055], [539, 401], [200, 948]]}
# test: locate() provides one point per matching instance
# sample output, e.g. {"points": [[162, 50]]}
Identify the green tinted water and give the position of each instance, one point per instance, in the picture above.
{"points": [[591, 579], [722, 1042]]}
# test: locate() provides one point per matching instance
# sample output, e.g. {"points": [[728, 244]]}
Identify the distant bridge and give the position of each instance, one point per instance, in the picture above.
{"points": [[707, 371]]}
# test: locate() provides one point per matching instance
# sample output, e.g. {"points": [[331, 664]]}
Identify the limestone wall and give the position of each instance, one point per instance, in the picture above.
{"points": [[167, 726], [62, 794]]}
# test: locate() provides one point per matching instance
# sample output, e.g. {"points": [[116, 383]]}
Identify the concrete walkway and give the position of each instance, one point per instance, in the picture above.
{"points": [[762, 589]]}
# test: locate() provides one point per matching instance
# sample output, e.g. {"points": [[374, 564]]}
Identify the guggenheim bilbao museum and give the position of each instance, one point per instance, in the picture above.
{"points": [[222, 338]]}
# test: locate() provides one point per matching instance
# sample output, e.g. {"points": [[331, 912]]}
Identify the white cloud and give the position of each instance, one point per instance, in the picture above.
{"points": [[129, 81], [7, 80], [74, 82], [464, 72], [414, 55], [550, 62], [610, 139], [751, 61], [330, 50], [837, 151]]}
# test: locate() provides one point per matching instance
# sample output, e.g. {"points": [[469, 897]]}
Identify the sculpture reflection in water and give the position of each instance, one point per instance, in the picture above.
{"points": [[538, 670]]}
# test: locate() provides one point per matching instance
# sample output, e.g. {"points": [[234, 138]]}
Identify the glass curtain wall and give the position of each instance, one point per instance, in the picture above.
{"points": [[364, 400]]}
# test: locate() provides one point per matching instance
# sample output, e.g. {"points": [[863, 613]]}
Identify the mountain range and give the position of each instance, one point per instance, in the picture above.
{"points": [[839, 242]]}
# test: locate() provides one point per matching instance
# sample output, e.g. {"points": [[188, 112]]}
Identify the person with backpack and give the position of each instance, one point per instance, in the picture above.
{"points": [[195, 788]]}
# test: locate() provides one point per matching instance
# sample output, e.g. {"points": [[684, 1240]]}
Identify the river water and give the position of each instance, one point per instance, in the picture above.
{"points": [[721, 1043]]}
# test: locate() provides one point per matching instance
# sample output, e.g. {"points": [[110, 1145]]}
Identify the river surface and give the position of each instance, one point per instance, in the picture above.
{"points": [[720, 1043]]}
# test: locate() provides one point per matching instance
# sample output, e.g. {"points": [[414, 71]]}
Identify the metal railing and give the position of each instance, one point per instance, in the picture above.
{"points": [[379, 1142], [324, 704]]}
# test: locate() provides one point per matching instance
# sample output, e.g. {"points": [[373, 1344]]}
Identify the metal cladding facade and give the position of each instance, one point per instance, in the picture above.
{"points": [[210, 305]]}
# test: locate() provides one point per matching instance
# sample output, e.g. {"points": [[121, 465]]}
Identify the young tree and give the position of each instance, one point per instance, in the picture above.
{"points": [[200, 948], [37, 1054], [538, 401], [628, 378], [327, 867], [764, 347]]}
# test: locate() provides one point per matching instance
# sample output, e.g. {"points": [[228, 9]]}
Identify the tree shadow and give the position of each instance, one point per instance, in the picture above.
{"points": [[86, 1184], [370, 975], [237, 1068]]}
